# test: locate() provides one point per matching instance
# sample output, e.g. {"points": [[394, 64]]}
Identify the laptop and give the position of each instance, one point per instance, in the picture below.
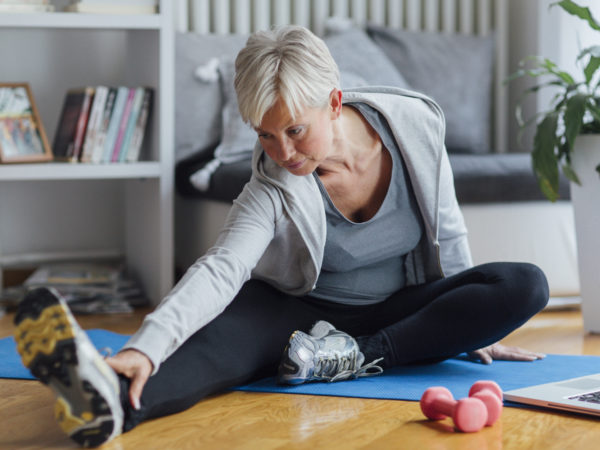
{"points": [[581, 395]]}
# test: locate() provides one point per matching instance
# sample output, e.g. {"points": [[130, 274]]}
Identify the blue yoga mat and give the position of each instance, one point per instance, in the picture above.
{"points": [[401, 383], [458, 375], [10, 361]]}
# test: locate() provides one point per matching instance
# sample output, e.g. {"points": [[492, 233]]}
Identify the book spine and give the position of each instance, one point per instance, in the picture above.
{"points": [[115, 120], [123, 125], [101, 134], [82, 121], [94, 123], [135, 112], [62, 146], [140, 127]]}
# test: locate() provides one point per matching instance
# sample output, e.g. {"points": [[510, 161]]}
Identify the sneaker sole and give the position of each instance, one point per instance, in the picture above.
{"points": [[45, 337]]}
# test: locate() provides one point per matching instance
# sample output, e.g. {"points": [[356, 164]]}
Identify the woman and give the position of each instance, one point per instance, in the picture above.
{"points": [[350, 218]]}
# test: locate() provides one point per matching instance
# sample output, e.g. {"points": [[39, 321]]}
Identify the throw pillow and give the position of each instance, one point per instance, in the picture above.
{"points": [[198, 104], [355, 52], [456, 71]]}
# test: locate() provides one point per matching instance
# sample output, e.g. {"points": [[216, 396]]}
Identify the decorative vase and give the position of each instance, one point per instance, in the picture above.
{"points": [[586, 206]]}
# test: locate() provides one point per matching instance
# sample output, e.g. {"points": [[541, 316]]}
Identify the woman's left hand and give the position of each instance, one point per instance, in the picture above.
{"points": [[498, 351]]}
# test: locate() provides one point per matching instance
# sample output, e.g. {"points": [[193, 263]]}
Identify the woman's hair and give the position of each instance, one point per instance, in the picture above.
{"points": [[288, 62]]}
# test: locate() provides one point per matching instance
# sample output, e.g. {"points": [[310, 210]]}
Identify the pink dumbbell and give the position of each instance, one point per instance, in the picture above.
{"points": [[491, 395], [469, 414]]}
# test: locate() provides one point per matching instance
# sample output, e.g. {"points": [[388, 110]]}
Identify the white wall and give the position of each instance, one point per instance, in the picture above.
{"points": [[523, 41], [537, 29]]}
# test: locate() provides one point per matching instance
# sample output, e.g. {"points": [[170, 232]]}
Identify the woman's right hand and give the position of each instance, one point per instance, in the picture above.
{"points": [[137, 367]]}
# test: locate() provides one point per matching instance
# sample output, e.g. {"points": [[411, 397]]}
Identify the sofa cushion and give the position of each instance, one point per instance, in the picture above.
{"points": [[456, 71], [498, 177]]}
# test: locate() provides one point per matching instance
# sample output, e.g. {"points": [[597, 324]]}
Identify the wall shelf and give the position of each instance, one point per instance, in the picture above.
{"points": [[66, 20], [79, 171]]}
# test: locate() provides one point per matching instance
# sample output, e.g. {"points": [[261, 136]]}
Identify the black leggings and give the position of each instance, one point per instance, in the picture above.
{"points": [[429, 322]]}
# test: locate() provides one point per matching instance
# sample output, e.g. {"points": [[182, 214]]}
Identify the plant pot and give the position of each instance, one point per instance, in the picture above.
{"points": [[586, 207]]}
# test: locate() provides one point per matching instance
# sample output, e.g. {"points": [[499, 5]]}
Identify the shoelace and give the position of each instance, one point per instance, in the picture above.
{"points": [[337, 367], [362, 371]]}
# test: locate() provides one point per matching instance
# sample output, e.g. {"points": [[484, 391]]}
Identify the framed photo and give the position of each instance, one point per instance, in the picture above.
{"points": [[22, 135]]}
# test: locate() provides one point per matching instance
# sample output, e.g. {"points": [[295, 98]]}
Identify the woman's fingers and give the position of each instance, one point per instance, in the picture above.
{"points": [[482, 355], [501, 352], [137, 367], [137, 385]]}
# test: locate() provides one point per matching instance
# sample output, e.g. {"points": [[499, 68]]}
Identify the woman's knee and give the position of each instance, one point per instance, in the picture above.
{"points": [[528, 285]]}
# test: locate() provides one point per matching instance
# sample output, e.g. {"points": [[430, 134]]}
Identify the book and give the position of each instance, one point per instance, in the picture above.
{"points": [[112, 2], [94, 123], [88, 274], [123, 125], [111, 8], [100, 137], [23, 2], [82, 121], [64, 138], [29, 7], [133, 152], [115, 121], [135, 112]]}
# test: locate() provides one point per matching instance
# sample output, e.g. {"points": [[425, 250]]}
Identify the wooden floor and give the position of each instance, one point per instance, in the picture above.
{"points": [[267, 421]]}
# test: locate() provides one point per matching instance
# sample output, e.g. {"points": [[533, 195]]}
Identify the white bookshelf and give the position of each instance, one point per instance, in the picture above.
{"points": [[53, 210]]}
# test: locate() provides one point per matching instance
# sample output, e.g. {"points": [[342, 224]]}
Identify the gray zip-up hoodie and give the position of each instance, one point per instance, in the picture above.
{"points": [[276, 228]]}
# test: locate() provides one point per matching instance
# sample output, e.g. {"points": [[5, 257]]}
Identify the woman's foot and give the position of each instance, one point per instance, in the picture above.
{"points": [[325, 354], [59, 354]]}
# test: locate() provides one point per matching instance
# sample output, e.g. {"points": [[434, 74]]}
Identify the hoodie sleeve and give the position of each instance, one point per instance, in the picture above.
{"points": [[212, 282]]}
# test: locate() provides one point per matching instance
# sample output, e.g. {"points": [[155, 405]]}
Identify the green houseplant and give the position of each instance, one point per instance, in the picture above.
{"points": [[575, 109]]}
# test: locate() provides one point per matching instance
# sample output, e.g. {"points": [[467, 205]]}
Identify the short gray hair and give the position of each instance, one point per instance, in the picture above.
{"points": [[288, 62]]}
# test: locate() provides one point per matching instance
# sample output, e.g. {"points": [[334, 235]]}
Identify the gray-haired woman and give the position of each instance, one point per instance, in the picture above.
{"points": [[350, 218]]}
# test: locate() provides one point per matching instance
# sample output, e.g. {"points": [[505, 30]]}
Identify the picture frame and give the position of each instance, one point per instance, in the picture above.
{"points": [[22, 135]]}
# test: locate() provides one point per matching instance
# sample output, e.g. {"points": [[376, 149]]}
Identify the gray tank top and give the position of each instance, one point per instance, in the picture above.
{"points": [[363, 262]]}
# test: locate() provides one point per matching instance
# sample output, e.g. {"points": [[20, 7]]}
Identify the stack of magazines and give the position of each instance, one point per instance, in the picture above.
{"points": [[90, 288]]}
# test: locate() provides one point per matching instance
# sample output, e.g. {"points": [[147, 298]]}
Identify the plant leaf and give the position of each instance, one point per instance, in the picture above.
{"points": [[570, 174], [591, 68], [594, 50], [579, 11], [552, 68], [598, 169], [513, 76], [594, 111], [545, 163], [574, 112]]}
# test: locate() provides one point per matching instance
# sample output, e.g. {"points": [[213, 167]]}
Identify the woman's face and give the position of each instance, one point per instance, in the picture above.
{"points": [[299, 145]]}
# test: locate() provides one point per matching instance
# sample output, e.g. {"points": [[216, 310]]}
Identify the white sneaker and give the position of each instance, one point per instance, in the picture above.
{"points": [[59, 354], [325, 354]]}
